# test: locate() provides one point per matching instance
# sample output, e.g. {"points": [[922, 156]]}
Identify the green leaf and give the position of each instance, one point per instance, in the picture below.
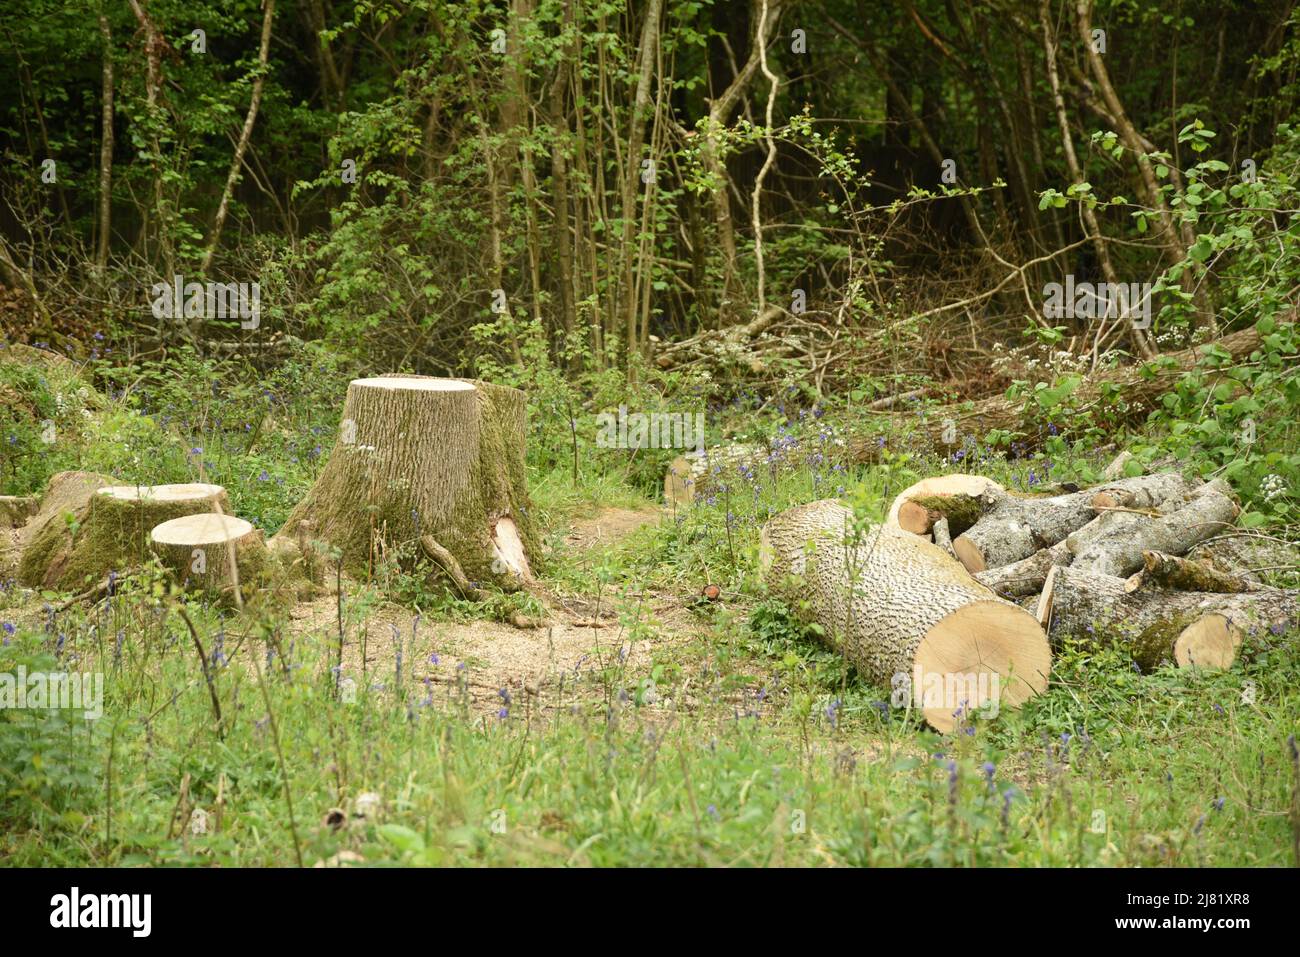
{"points": [[403, 838]]}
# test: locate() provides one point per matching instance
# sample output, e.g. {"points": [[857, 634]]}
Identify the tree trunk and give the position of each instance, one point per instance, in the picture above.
{"points": [[631, 174], [902, 612], [420, 456], [1138, 336], [1190, 628], [105, 152], [246, 134], [1116, 544]]}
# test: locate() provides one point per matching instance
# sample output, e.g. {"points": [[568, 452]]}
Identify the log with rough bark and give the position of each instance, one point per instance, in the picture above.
{"points": [[1115, 547], [1203, 629], [956, 497], [420, 457], [943, 536], [1250, 555], [110, 533], [1027, 576], [1115, 470], [199, 550], [1170, 571], [695, 476], [1015, 527], [900, 610]]}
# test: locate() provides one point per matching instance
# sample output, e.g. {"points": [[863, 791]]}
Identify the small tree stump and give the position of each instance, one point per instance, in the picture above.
{"points": [[198, 549]]}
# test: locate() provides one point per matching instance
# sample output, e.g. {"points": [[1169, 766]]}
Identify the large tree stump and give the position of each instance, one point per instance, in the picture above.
{"points": [[111, 531], [1201, 629], [199, 550], [903, 612], [420, 457]]}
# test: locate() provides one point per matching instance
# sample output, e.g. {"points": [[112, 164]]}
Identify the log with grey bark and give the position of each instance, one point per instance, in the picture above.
{"points": [[1190, 628], [1250, 555], [1025, 577], [943, 537], [1014, 527], [1170, 571], [1115, 470], [897, 606], [1116, 545]]}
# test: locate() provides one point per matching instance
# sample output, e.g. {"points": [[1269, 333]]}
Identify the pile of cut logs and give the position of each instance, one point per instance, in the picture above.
{"points": [[965, 571]]}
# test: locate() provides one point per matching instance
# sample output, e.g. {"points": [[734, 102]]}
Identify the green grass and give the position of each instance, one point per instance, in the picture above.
{"points": [[1109, 767]]}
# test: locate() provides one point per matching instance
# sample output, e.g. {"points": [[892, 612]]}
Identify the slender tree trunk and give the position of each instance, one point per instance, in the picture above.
{"points": [[245, 135], [720, 110], [760, 35], [564, 241], [105, 153], [632, 167], [155, 219], [1176, 237], [1138, 336], [584, 209]]}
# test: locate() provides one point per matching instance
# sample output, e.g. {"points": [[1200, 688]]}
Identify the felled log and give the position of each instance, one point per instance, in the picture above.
{"points": [[900, 610], [1027, 576], [1115, 470], [943, 537], [1014, 527], [694, 475], [1170, 571], [1201, 629], [1249, 555], [1115, 546], [956, 497]]}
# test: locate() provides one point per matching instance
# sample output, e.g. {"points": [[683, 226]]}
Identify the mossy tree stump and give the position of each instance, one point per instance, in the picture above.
{"points": [[430, 462], [111, 533]]}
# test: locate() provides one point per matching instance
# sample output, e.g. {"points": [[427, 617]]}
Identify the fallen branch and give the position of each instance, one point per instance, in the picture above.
{"points": [[1183, 574]]}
